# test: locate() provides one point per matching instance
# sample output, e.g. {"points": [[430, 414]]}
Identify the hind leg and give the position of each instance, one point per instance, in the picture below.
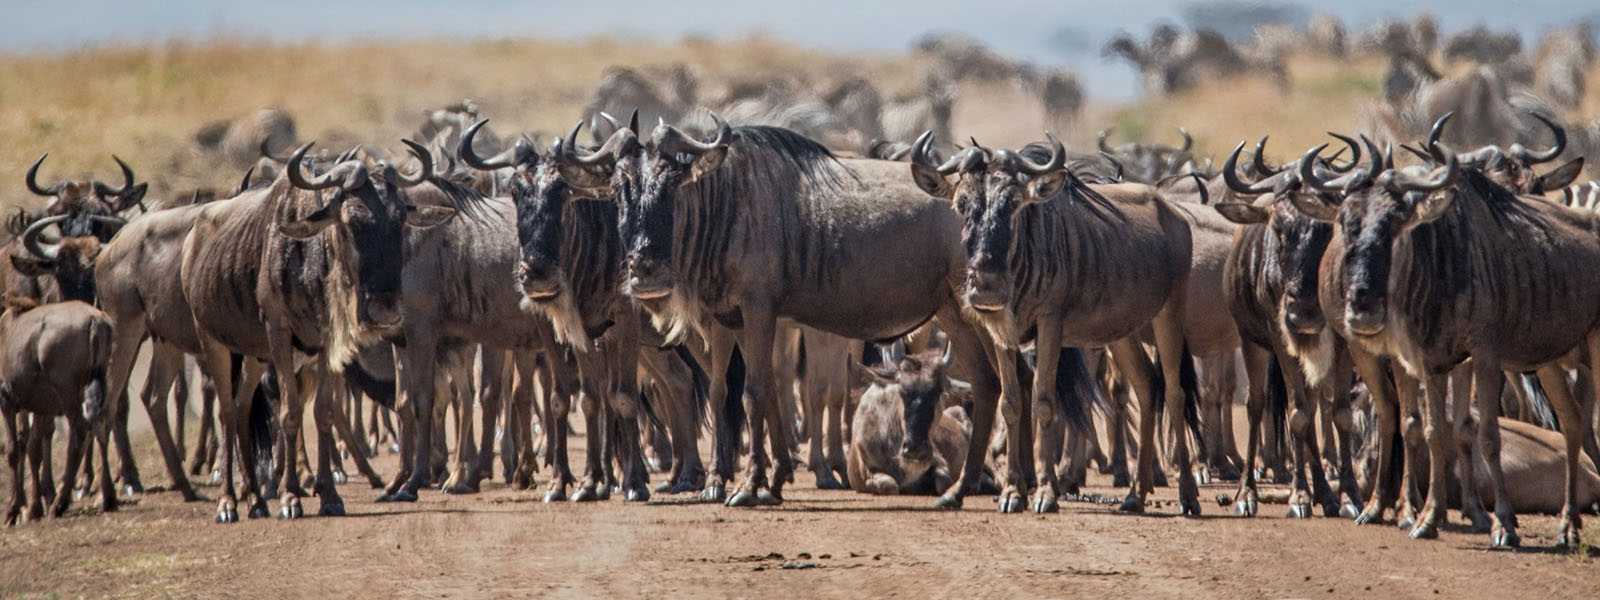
{"points": [[1465, 428], [39, 438], [77, 433], [1247, 500]]}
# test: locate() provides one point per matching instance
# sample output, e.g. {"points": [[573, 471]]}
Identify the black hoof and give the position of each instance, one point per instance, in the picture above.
{"points": [[1245, 507], [340, 478], [1331, 510], [460, 489], [1010, 503], [404, 495], [948, 502], [1509, 539], [259, 511], [1369, 517], [1131, 504], [827, 482], [554, 496], [585, 494], [228, 516], [683, 487], [1120, 481], [741, 499], [1046, 503], [638, 494], [331, 509], [768, 498], [664, 487], [1191, 507], [289, 512], [1299, 511], [1424, 532], [1228, 473], [1349, 511]]}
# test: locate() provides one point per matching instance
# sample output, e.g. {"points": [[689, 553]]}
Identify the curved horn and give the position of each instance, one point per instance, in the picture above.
{"points": [[615, 125], [1438, 130], [1355, 154], [1529, 157], [1308, 174], [1451, 167], [112, 221], [605, 155], [423, 174], [33, 184], [1419, 153], [469, 156], [30, 238], [1058, 158], [678, 141], [244, 182], [920, 155], [1230, 173], [348, 154], [1115, 164], [355, 172], [127, 180], [1101, 140], [633, 121], [1188, 142], [1259, 159], [949, 357]]}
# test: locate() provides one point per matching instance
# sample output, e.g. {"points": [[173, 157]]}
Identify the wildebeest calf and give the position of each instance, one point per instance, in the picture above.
{"points": [[902, 440]]}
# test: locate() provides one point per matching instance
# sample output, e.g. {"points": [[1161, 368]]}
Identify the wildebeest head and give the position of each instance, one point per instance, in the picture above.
{"points": [[1147, 163], [1294, 241], [1512, 167], [922, 379], [68, 259], [81, 200], [1380, 203], [1011, 183], [368, 214], [671, 160], [966, 194]]}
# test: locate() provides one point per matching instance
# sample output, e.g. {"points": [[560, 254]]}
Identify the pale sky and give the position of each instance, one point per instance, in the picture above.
{"points": [[1068, 33]]}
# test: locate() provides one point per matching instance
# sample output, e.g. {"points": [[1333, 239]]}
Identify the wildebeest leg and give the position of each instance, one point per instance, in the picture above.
{"points": [[815, 389], [294, 391], [1488, 382], [1303, 444], [1385, 404], [1322, 407], [349, 433], [975, 361], [1409, 393], [837, 397], [763, 411], [1134, 366], [77, 435], [166, 365], [415, 363], [39, 438], [623, 392], [522, 407], [1247, 500], [128, 467], [1048, 422], [325, 412], [557, 407], [1182, 395], [215, 360], [491, 394], [1438, 435], [786, 374], [14, 458], [725, 432], [1339, 400], [1467, 447], [1117, 430], [1569, 531], [205, 443]]}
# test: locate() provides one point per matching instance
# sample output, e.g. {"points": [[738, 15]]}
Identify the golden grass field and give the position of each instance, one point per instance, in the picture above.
{"points": [[145, 103]]}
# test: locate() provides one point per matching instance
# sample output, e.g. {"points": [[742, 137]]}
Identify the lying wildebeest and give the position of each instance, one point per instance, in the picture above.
{"points": [[53, 364], [1432, 270], [727, 236], [1072, 264], [906, 432]]}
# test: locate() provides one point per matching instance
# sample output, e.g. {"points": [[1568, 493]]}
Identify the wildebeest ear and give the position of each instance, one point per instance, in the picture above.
{"points": [[1046, 186], [706, 163], [423, 217], [135, 195], [1313, 206], [932, 182], [1430, 207], [1562, 177], [880, 374], [31, 266], [1241, 213], [309, 226]]}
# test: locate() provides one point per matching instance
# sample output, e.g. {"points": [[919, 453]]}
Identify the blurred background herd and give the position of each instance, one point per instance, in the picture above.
{"points": [[188, 92]]}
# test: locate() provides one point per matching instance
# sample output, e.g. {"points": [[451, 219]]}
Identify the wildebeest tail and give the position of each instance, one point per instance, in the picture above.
{"points": [[371, 385], [701, 384], [1190, 381], [263, 420], [1077, 390], [94, 392], [1277, 396], [733, 409], [1538, 402]]}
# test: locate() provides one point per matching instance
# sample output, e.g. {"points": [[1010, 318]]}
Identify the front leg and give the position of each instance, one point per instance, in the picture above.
{"points": [[1014, 484], [762, 412], [975, 361], [1049, 421], [1437, 433]]}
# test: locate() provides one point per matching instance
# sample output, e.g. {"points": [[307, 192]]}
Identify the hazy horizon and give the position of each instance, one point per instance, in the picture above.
{"points": [[1068, 34]]}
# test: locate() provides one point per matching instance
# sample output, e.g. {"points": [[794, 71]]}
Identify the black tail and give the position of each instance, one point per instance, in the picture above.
{"points": [[264, 424], [733, 409], [800, 355], [1077, 391], [1277, 397], [1538, 402], [370, 385], [94, 398], [1190, 380], [701, 384]]}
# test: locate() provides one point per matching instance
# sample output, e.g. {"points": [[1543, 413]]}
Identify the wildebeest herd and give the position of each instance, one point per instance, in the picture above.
{"points": [[896, 307]]}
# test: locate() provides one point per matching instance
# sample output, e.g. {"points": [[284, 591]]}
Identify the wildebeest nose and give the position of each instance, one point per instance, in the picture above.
{"points": [[538, 283], [647, 280], [986, 291], [1365, 322], [1301, 319], [378, 313]]}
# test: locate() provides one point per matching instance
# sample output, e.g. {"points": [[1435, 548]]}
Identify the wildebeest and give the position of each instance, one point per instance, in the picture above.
{"points": [[83, 201], [53, 364], [1434, 269], [658, 94], [239, 140], [1147, 163], [908, 115], [727, 236], [263, 281], [1072, 264], [907, 434]]}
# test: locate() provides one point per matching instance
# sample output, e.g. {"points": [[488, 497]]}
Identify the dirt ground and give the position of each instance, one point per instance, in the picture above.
{"points": [[505, 543]]}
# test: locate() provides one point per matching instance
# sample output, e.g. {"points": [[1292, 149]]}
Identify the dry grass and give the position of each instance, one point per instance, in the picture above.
{"points": [[145, 103]]}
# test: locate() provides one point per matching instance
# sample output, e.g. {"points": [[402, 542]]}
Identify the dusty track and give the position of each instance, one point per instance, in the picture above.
{"points": [[505, 543]]}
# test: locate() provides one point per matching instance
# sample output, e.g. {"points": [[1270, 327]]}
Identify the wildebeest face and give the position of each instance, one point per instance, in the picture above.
{"points": [[1295, 244], [922, 381], [369, 216], [670, 163], [69, 260], [542, 195], [82, 201], [1011, 186]]}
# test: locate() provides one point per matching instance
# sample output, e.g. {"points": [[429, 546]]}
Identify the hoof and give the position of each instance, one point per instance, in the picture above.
{"points": [[394, 448], [741, 498], [1245, 508], [1481, 523], [768, 498], [1228, 472], [331, 509], [228, 515], [1299, 511], [1369, 517], [585, 494], [555, 496], [1191, 507], [216, 475], [638, 494], [1046, 503], [664, 487], [340, 478], [1331, 510], [132, 489], [258, 510], [1131, 504], [404, 495], [1508, 539], [948, 502], [1203, 476], [1424, 532], [683, 487], [460, 489], [1120, 481], [1349, 511], [714, 493], [290, 510], [1011, 502]]}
